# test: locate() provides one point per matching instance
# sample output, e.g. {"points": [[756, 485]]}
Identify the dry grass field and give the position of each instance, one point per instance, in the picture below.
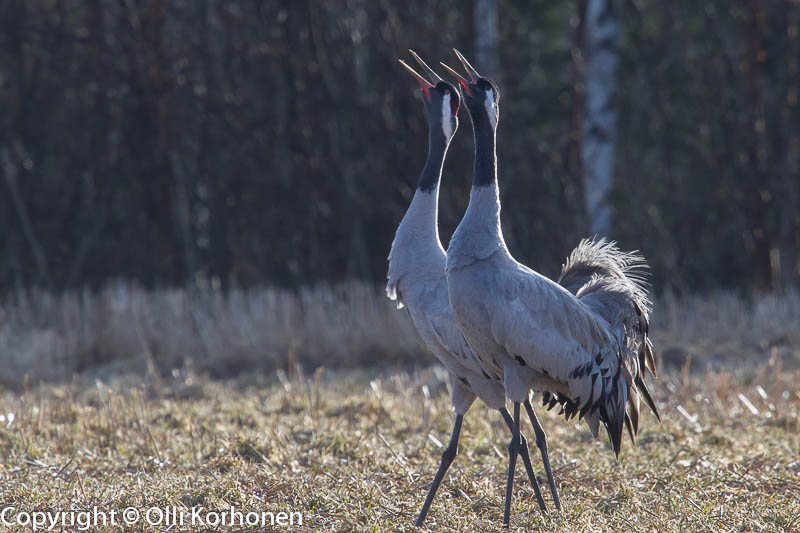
{"points": [[356, 452], [125, 329], [129, 399]]}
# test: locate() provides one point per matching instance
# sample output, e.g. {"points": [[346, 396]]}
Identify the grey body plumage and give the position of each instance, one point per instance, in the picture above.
{"points": [[416, 280], [582, 342]]}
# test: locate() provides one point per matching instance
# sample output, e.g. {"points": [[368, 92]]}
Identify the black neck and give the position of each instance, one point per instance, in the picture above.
{"points": [[432, 173], [485, 156]]}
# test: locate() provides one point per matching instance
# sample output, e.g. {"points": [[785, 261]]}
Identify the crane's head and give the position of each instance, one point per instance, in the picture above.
{"points": [[441, 99], [480, 94]]}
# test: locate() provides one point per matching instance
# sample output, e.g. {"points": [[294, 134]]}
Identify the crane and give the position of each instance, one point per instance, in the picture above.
{"points": [[416, 280], [586, 351]]}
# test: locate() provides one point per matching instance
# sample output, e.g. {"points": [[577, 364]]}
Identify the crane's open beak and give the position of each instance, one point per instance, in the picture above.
{"points": [[424, 84], [432, 76], [473, 74], [464, 83]]}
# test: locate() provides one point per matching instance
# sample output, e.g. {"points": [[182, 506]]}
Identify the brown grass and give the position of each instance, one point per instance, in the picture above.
{"points": [[356, 452], [121, 329], [120, 398], [124, 329]]}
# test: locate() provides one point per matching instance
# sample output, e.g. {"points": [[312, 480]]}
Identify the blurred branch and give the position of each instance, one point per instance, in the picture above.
{"points": [[11, 173]]}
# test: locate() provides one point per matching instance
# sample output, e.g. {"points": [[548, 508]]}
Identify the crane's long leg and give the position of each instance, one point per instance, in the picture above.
{"points": [[541, 442], [447, 457], [523, 452], [513, 450]]}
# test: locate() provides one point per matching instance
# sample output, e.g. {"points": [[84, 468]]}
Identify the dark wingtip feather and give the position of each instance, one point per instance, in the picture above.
{"points": [[615, 437], [569, 410], [613, 428], [640, 384], [650, 361], [629, 426], [617, 441], [634, 415], [584, 410], [553, 403]]}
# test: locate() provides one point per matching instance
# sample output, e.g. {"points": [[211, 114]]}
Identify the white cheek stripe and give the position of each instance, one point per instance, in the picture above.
{"points": [[447, 124], [491, 107]]}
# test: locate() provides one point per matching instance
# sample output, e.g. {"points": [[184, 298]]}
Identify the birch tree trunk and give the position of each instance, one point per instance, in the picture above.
{"points": [[486, 36], [600, 123]]}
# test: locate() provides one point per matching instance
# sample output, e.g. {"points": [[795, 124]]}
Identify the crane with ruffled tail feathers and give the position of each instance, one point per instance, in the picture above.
{"points": [[612, 283], [585, 349]]}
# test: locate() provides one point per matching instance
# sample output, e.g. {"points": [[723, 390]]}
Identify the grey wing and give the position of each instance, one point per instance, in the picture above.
{"points": [[544, 327]]}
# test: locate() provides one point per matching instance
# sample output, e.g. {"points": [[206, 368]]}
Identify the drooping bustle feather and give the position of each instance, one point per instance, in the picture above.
{"points": [[612, 284]]}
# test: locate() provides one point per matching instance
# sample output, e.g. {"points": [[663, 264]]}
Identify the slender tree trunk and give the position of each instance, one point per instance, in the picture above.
{"points": [[789, 211], [575, 192], [148, 26], [96, 185], [358, 264], [756, 182], [789, 186], [219, 254], [600, 124], [487, 34]]}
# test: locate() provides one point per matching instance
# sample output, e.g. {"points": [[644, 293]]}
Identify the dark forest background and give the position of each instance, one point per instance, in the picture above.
{"points": [[250, 142]]}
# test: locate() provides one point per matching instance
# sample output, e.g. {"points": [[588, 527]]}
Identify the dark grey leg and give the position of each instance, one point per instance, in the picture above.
{"points": [[447, 457], [541, 442], [523, 452], [513, 450]]}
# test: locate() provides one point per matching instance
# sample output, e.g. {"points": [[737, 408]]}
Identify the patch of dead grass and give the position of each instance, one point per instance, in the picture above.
{"points": [[125, 329], [354, 451]]}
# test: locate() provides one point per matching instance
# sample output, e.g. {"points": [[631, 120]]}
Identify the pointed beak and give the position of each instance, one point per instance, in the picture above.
{"points": [[464, 83], [432, 76], [424, 84], [473, 74]]}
